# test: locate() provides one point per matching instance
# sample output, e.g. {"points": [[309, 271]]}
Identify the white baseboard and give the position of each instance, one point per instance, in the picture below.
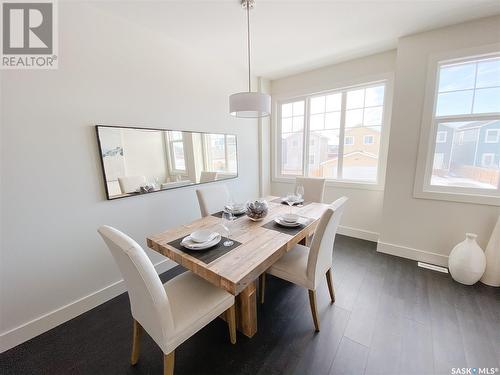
{"points": [[46, 322], [358, 233], [414, 254]]}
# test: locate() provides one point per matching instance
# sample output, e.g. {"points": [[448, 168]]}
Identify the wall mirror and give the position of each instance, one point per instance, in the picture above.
{"points": [[144, 160]]}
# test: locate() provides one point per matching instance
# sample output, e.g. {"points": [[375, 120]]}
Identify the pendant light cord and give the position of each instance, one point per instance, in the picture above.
{"points": [[248, 44]]}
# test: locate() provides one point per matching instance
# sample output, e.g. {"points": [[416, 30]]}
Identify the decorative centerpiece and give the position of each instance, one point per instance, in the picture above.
{"points": [[147, 188], [257, 210]]}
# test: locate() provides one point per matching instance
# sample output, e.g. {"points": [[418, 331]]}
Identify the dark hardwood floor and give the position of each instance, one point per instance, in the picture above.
{"points": [[390, 317]]}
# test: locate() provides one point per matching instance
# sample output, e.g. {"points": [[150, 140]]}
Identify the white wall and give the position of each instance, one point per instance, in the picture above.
{"points": [[265, 145], [110, 72], [363, 216], [420, 228]]}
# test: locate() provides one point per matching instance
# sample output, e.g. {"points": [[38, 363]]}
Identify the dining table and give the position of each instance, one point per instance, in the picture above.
{"points": [[257, 245]]}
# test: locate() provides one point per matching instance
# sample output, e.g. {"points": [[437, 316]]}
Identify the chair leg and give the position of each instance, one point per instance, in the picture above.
{"points": [[136, 343], [231, 322], [330, 284], [314, 310], [168, 363], [262, 287]]}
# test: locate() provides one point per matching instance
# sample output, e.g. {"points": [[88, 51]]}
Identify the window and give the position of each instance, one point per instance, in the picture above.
{"points": [[441, 137], [368, 139], [464, 132], [219, 153], [318, 134], [349, 140], [292, 135], [492, 135], [488, 160], [176, 147]]}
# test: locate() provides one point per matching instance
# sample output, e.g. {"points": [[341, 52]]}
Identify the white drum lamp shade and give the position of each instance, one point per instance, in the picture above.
{"points": [[250, 104]]}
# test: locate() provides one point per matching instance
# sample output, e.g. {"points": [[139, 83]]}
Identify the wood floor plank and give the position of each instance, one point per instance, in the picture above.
{"points": [[417, 357], [350, 359]]}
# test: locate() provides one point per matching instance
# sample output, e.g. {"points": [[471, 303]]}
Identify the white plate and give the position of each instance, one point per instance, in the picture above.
{"points": [[191, 245], [301, 200], [283, 223]]}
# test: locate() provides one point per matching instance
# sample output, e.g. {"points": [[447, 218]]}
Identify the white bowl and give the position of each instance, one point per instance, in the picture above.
{"points": [[290, 218], [201, 236]]}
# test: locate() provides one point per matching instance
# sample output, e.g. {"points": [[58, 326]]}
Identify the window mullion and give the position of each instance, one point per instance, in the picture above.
{"points": [[279, 140], [340, 158], [225, 154], [474, 90], [305, 152]]}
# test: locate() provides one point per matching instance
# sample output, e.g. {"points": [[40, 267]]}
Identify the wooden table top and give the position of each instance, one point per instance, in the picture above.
{"points": [[259, 249]]}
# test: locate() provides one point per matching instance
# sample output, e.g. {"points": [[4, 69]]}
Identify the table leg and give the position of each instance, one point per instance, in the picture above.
{"points": [[246, 310]]}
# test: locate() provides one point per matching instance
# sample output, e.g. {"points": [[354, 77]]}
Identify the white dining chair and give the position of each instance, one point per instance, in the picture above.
{"points": [[129, 184], [206, 176], [314, 188], [212, 198], [172, 312], [306, 266]]}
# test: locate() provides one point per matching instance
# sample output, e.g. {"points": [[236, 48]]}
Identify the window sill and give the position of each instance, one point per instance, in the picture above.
{"points": [[335, 183], [490, 200]]}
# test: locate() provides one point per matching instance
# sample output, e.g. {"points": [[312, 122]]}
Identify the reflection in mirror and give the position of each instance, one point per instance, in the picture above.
{"points": [[137, 160]]}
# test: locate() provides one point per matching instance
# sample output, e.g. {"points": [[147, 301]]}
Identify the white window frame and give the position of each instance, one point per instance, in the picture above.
{"points": [[422, 187], [372, 138], [170, 146], [441, 133], [497, 131], [483, 156], [362, 82], [351, 138]]}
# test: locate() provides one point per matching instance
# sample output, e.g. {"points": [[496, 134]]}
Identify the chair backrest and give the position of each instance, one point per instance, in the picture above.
{"points": [[212, 198], [314, 188], [129, 184], [321, 251], [148, 300], [208, 176]]}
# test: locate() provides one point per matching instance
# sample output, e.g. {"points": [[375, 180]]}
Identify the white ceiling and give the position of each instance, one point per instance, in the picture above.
{"points": [[293, 36]]}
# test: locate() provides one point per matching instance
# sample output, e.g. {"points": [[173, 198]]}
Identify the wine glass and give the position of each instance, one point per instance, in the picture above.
{"points": [[229, 205], [299, 191], [291, 199], [227, 222]]}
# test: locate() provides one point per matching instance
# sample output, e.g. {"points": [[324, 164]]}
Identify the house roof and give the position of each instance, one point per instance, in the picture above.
{"points": [[460, 126]]}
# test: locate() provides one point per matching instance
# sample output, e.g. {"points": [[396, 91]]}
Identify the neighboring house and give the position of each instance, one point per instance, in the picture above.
{"points": [[291, 149], [361, 147], [361, 139], [473, 144]]}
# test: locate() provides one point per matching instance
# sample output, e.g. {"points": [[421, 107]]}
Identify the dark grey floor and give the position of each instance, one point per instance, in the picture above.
{"points": [[390, 317]]}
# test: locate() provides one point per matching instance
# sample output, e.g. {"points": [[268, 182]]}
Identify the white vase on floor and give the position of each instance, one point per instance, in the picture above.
{"points": [[467, 261], [491, 276]]}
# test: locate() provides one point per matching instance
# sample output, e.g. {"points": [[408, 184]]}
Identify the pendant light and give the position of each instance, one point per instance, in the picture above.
{"points": [[249, 104]]}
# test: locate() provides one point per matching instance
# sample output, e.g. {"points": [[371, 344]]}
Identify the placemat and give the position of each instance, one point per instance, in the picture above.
{"points": [[291, 231], [279, 200], [209, 255], [219, 214]]}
